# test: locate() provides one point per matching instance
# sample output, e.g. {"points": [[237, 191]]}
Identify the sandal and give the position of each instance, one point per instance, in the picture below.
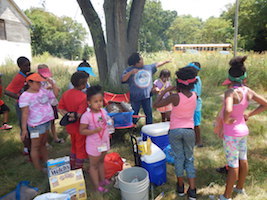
{"points": [[102, 189], [105, 182], [59, 141]]}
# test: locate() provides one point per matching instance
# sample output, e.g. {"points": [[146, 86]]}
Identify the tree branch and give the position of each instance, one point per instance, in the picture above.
{"points": [[136, 12], [95, 27]]}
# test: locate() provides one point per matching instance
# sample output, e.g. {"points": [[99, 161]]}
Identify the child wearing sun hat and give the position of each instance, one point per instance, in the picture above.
{"points": [[36, 116], [45, 72], [85, 67]]}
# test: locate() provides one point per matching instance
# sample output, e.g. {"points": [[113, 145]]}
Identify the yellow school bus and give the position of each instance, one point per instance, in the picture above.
{"points": [[201, 47]]}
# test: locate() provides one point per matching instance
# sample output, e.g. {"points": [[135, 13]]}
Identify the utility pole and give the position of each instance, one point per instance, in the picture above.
{"points": [[236, 26]]}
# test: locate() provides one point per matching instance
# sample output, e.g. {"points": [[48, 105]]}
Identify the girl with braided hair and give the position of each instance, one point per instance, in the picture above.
{"points": [[181, 134]]}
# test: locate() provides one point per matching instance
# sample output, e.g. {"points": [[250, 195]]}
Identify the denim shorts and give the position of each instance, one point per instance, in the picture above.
{"points": [[41, 129]]}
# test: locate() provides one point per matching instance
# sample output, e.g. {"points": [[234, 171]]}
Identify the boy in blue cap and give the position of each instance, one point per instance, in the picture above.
{"points": [[84, 67]]}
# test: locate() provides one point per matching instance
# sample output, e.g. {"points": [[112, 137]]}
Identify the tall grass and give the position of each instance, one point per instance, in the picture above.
{"points": [[14, 167]]}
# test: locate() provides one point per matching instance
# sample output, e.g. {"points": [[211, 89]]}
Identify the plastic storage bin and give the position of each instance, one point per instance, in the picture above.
{"points": [[158, 133], [122, 119], [155, 164]]}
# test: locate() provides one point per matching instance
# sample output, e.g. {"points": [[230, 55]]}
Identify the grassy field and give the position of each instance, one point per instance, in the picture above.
{"points": [[14, 166]]}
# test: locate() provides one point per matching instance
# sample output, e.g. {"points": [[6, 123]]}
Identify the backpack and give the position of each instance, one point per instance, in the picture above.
{"points": [[112, 164]]}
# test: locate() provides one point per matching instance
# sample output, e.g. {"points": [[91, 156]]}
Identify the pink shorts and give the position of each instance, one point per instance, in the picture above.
{"points": [[165, 109]]}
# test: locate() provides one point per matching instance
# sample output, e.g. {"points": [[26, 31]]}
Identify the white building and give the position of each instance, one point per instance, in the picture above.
{"points": [[15, 39]]}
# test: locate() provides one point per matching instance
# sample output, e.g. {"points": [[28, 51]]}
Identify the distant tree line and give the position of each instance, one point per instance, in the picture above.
{"points": [[252, 24], [160, 30], [60, 36]]}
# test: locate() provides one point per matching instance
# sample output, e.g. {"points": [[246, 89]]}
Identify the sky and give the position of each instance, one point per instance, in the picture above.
{"points": [[197, 8]]}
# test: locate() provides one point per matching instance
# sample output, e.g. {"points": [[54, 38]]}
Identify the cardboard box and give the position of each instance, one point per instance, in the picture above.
{"points": [[58, 166], [71, 183]]}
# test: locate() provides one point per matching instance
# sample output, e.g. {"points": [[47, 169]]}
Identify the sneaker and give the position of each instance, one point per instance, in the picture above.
{"points": [[102, 189], [26, 151], [240, 191], [192, 194], [5, 127], [180, 190], [48, 146], [59, 141], [223, 198], [222, 170], [199, 145], [105, 182]]}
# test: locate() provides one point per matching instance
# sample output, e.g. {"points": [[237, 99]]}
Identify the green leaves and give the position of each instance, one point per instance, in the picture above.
{"points": [[252, 23], [60, 36], [185, 29], [191, 30], [153, 28]]}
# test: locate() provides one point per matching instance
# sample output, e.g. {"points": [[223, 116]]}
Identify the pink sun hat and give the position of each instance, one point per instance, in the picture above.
{"points": [[45, 72]]}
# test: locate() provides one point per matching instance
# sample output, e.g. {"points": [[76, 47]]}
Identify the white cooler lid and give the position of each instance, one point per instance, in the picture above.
{"points": [[156, 155], [157, 129]]}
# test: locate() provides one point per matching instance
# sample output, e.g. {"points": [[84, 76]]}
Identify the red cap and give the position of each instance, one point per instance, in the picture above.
{"points": [[35, 77]]}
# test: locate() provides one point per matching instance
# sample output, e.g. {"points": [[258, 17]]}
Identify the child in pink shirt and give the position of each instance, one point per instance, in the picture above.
{"points": [[235, 130], [181, 133], [45, 72], [93, 123], [36, 115]]}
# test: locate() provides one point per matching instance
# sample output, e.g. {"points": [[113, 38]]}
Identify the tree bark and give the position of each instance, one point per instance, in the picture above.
{"points": [[134, 23], [122, 37], [115, 14], [94, 23]]}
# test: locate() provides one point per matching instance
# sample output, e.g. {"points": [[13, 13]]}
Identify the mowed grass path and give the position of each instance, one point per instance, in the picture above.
{"points": [[15, 167]]}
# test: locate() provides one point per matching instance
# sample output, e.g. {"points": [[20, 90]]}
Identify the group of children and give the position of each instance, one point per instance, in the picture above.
{"points": [[139, 78], [37, 108], [181, 104], [82, 106]]}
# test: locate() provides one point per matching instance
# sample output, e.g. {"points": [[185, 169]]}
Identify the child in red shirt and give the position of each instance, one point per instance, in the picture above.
{"points": [[15, 89], [71, 103], [4, 109]]}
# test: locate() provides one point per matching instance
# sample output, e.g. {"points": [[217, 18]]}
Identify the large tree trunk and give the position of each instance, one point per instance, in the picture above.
{"points": [[94, 23], [122, 36], [115, 14]]}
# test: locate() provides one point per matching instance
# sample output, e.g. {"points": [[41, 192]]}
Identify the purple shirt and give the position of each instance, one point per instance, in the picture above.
{"points": [[162, 86]]}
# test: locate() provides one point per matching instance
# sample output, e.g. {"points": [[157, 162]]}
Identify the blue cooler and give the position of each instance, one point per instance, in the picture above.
{"points": [[158, 133], [155, 164]]}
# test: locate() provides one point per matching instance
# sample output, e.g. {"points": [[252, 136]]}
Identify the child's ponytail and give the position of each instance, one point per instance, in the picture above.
{"points": [[238, 62], [237, 68]]}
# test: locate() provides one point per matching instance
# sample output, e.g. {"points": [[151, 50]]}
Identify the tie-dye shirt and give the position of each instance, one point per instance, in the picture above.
{"points": [[40, 110]]}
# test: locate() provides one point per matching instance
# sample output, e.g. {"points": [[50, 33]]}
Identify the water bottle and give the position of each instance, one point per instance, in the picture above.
{"points": [[148, 146], [110, 125]]}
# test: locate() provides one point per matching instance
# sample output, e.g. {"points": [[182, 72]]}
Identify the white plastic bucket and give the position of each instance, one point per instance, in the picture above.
{"points": [[137, 189]]}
